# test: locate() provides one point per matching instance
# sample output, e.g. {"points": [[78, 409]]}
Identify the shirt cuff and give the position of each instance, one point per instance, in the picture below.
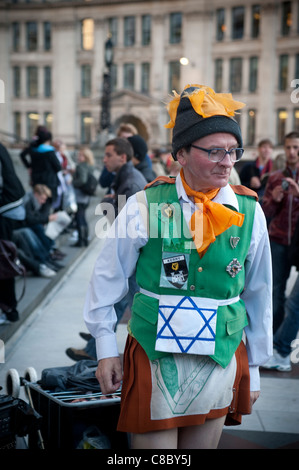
{"points": [[255, 383], [106, 346]]}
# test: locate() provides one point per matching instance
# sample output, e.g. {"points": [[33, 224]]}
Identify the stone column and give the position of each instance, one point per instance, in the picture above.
{"points": [[267, 81], [5, 87], [65, 114], [197, 48], [158, 36]]}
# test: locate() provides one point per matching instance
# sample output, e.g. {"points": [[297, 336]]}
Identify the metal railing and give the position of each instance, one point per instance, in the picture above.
{"points": [[12, 138]]}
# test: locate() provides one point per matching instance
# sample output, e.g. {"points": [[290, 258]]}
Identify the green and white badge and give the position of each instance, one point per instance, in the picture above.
{"points": [[174, 270]]}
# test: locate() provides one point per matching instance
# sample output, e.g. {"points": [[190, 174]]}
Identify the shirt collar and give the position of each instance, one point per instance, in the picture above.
{"points": [[225, 196]]}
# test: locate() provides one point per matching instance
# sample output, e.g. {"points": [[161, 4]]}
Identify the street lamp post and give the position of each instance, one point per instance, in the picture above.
{"points": [[106, 96]]}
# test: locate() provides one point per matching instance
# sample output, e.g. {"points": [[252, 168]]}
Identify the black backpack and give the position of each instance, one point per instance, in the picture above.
{"points": [[91, 184]]}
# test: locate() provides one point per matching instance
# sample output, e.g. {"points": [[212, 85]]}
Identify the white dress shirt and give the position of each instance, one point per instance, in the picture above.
{"points": [[117, 261]]}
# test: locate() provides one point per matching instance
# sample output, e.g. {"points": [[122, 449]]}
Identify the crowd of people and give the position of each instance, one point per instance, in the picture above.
{"points": [[57, 198], [33, 219]]}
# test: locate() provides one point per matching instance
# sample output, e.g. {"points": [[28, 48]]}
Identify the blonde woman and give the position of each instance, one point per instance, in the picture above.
{"points": [[85, 163]]}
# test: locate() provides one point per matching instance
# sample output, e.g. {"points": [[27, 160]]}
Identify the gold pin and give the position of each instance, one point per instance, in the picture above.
{"points": [[167, 210]]}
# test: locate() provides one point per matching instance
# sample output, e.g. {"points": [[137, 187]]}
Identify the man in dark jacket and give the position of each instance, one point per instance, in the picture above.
{"points": [[281, 207], [128, 180]]}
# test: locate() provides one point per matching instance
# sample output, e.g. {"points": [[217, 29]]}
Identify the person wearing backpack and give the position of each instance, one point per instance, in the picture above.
{"points": [[80, 178], [11, 211]]}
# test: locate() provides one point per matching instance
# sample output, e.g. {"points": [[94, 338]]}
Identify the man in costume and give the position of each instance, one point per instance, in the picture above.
{"points": [[201, 252]]}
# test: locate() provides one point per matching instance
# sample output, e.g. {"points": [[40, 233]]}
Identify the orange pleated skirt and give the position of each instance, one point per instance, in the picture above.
{"points": [[137, 388]]}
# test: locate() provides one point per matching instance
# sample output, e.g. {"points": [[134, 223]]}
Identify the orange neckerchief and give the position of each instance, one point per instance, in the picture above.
{"points": [[211, 218]]}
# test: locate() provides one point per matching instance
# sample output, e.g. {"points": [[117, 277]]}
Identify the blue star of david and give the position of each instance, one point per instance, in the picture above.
{"points": [[192, 340]]}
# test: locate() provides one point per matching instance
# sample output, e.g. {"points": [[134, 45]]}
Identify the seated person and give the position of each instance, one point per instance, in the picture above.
{"points": [[32, 253], [38, 209], [30, 237]]}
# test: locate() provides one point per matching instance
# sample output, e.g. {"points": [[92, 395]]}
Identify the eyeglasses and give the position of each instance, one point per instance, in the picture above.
{"points": [[217, 155]]}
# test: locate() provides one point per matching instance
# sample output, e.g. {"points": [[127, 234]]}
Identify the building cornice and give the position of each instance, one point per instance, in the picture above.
{"points": [[42, 4]]}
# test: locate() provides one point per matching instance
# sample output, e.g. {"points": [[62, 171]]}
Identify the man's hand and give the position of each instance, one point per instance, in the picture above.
{"points": [[253, 397], [255, 182], [293, 187], [108, 197], [277, 193], [53, 216], [109, 374]]}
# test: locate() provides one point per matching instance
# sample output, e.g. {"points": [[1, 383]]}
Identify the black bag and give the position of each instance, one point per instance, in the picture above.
{"points": [[80, 376], [10, 265], [17, 418], [90, 186]]}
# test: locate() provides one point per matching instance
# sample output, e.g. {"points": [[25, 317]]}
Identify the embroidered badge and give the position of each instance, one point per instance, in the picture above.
{"points": [[234, 241], [176, 270], [234, 267]]}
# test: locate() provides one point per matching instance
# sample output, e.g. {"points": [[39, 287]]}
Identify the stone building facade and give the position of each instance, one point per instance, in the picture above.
{"points": [[52, 64]]}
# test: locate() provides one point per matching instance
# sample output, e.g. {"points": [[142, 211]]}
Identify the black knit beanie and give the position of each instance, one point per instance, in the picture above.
{"points": [[139, 146], [190, 126]]}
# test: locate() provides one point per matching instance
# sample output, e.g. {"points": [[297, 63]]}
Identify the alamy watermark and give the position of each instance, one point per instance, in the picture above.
{"points": [[2, 92], [295, 93], [2, 351], [295, 353], [167, 218]]}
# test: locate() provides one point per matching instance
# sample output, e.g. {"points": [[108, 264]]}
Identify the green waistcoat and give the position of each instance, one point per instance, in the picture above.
{"points": [[207, 276]]}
